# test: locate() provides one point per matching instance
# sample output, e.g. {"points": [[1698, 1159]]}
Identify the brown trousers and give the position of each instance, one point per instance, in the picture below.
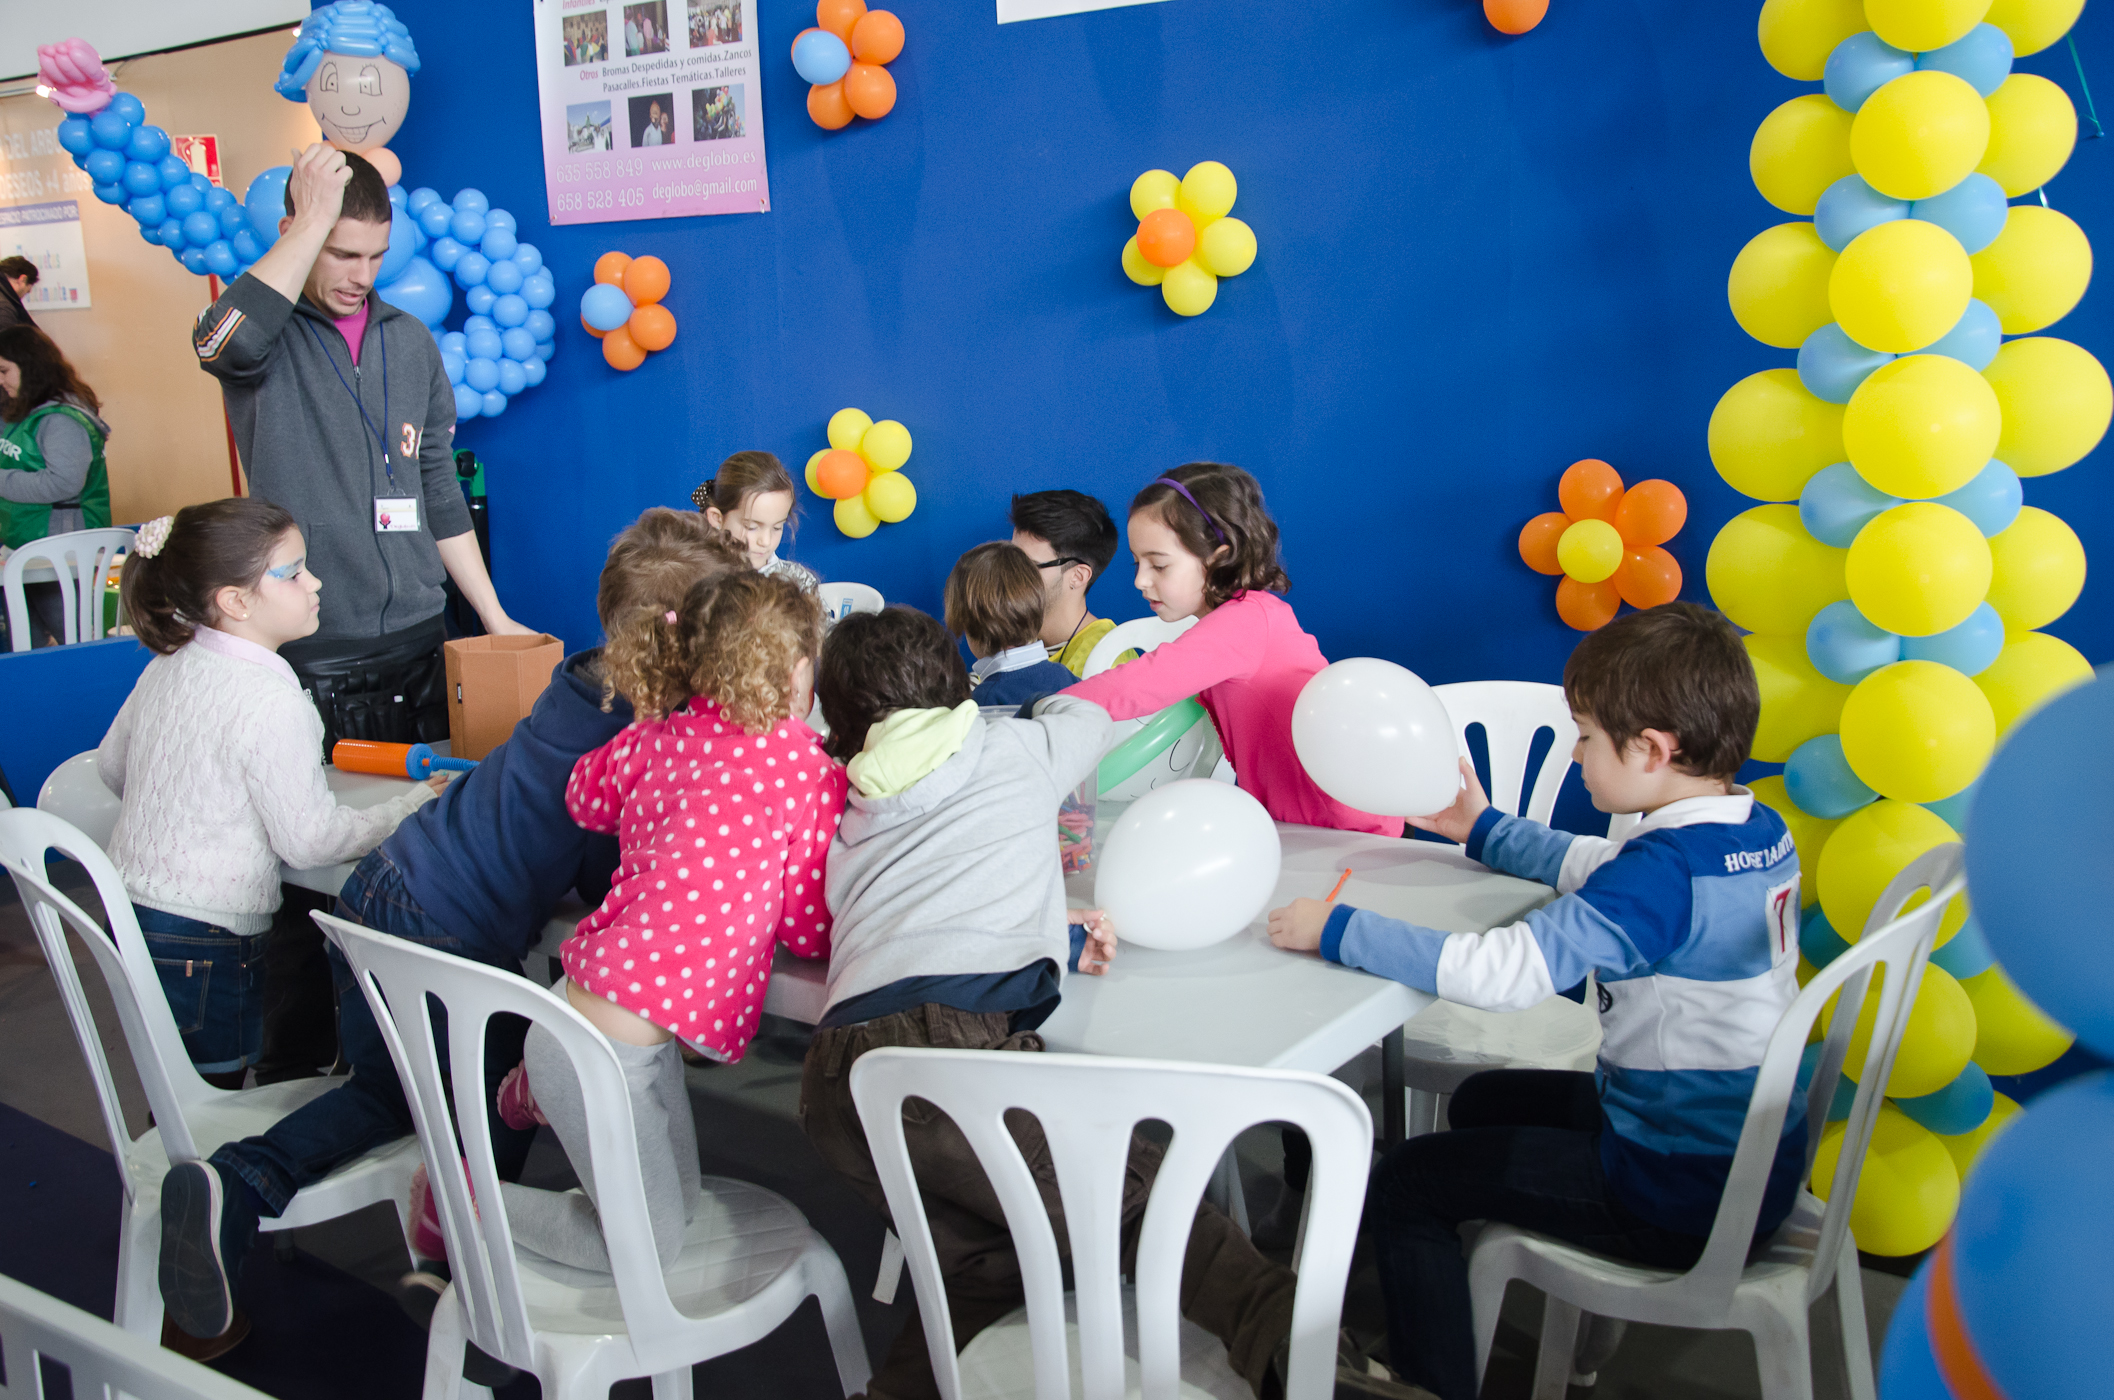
{"points": [[1228, 1288]]}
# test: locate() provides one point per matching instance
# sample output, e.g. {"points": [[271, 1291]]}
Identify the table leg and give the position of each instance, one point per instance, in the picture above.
{"points": [[1391, 1088]]}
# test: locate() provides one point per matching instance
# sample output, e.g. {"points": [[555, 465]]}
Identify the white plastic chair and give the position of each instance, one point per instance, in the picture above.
{"points": [[1139, 634], [74, 793], [1116, 1341], [749, 1258], [192, 1118], [841, 600], [80, 559], [1812, 1252], [38, 1331]]}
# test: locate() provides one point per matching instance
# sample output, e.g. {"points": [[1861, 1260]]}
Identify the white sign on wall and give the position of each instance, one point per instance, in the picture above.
{"points": [[49, 235], [1011, 10]]}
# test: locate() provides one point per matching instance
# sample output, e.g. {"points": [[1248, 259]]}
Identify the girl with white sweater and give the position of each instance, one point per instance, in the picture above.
{"points": [[214, 756]]}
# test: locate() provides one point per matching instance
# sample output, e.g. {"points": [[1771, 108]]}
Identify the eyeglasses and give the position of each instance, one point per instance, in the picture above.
{"points": [[1061, 561]]}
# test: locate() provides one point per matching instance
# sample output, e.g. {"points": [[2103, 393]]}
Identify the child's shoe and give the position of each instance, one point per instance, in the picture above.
{"points": [[418, 1292], [204, 1236], [517, 1105]]}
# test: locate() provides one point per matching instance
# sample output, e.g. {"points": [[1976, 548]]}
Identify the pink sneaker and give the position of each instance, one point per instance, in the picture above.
{"points": [[517, 1103], [427, 1242]]}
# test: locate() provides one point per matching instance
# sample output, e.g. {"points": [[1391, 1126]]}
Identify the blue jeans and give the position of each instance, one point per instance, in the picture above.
{"points": [[214, 982], [369, 1109]]}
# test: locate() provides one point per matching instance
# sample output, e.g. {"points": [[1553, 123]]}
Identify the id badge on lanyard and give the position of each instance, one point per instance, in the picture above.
{"points": [[395, 514]]}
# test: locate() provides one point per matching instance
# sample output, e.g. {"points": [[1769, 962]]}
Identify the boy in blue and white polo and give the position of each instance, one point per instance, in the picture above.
{"points": [[1691, 922]]}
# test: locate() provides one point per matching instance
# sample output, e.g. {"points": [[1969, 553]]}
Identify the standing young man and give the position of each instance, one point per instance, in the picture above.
{"points": [[1069, 537]]}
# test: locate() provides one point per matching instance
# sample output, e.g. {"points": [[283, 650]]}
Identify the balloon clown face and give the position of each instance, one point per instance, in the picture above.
{"points": [[359, 102]]}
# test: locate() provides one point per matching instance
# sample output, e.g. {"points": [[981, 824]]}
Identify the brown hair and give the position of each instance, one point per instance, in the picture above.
{"points": [[651, 568], [1680, 668], [1075, 525], [735, 640], [46, 375], [1224, 510], [746, 474], [220, 544], [994, 598], [874, 664], [366, 193], [20, 267]]}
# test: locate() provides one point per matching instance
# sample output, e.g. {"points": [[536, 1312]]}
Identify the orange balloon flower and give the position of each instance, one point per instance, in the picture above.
{"points": [[644, 281], [867, 89], [1516, 17], [1605, 543]]}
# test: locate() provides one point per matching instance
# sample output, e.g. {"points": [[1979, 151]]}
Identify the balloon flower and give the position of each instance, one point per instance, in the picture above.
{"points": [[1514, 16], [861, 470], [1186, 240], [843, 58], [623, 309], [1606, 544]]}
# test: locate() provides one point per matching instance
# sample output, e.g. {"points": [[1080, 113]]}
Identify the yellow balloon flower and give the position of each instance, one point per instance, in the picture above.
{"points": [[1917, 570], [2032, 130], [891, 497], [1900, 285], [2037, 570], [1922, 426], [1808, 832], [1779, 285], [2056, 402], [2033, 24], [2032, 669], [1188, 289], [854, 519], [884, 447], [1918, 26], [1226, 247], [1920, 135], [1907, 1191], [1799, 150], [1155, 189], [1191, 261], [1769, 434], [1871, 846], [846, 427], [2035, 271], [1917, 731], [2012, 1035], [1768, 575], [1798, 35], [1207, 193]]}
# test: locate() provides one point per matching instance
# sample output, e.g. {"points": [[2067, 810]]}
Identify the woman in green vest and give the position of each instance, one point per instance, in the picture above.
{"points": [[52, 478]]}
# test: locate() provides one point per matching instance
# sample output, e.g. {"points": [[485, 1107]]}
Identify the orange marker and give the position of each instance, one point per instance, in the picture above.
{"points": [[1341, 881]]}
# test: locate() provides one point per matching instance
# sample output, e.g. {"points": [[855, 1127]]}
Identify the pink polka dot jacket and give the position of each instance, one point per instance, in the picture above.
{"points": [[723, 834]]}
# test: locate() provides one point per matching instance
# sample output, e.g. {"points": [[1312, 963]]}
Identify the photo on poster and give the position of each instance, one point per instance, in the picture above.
{"points": [[646, 28], [714, 22], [653, 120], [715, 113], [588, 128], [586, 39]]}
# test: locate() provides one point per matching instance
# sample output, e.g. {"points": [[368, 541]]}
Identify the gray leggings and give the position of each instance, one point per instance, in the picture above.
{"points": [[563, 1225]]}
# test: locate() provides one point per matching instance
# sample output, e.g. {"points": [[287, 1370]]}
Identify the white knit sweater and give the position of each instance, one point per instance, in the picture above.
{"points": [[215, 754]]}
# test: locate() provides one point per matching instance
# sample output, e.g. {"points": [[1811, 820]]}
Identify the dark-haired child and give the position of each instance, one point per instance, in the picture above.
{"points": [[750, 500], [995, 604], [1691, 922], [1070, 540]]}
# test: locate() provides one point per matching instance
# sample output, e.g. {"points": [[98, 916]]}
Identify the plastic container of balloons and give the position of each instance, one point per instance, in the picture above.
{"points": [[1187, 238], [1606, 543], [861, 470], [623, 309], [844, 60]]}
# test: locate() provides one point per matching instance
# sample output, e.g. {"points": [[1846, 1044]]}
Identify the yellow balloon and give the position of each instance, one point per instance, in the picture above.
{"points": [[1900, 285], [854, 519], [1207, 193], [891, 497], [1769, 434], [1798, 35], [1907, 1192], [2033, 24], [812, 484], [1155, 189], [1188, 289], [2032, 669], [1779, 285], [1918, 569], [1871, 846], [1920, 135], [1921, 426], [1966, 1147], [1918, 26], [1934, 1047], [1768, 575], [886, 445], [1226, 247], [1918, 731], [2056, 401], [1808, 833], [1590, 550], [1137, 269], [2012, 1035], [1799, 150], [846, 427], [2038, 570], [2032, 130], [2035, 271]]}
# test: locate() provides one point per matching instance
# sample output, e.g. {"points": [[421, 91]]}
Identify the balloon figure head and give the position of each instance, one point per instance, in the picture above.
{"points": [[352, 65]]}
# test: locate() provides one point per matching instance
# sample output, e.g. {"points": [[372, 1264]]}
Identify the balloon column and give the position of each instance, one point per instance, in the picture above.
{"points": [[861, 470], [1186, 238], [843, 57], [1894, 578], [1606, 542], [510, 334], [623, 308]]}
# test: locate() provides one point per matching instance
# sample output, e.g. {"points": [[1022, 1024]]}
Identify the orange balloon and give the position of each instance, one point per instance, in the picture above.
{"points": [[1587, 606], [1648, 577], [385, 164], [1166, 237], [646, 281], [610, 268], [1652, 512], [840, 17], [591, 330], [1517, 17], [877, 37], [841, 474], [621, 350], [652, 327], [1590, 490], [1537, 541], [826, 104], [869, 90]]}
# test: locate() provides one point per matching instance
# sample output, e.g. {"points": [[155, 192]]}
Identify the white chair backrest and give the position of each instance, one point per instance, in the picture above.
{"points": [[399, 979], [38, 1331], [1512, 713], [74, 793], [80, 560], [1139, 634], [841, 600], [1088, 1106]]}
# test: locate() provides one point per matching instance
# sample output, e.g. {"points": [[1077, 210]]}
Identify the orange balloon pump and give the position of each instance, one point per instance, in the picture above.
{"points": [[414, 761]]}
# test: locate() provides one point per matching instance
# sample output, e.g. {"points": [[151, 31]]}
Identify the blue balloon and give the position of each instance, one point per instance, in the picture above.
{"points": [[105, 167], [415, 203], [1982, 57], [183, 201], [200, 229], [1819, 779], [202, 184], [233, 220], [498, 242], [1972, 211], [220, 258], [129, 108], [397, 198], [472, 200], [545, 349], [820, 57], [512, 378], [1968, 648], [217, 199], [467, 225], [1953, 810], [511, 312], [75, 137], [1992, 500], [1908, 1367], [152, 233], [518, 345], [246, 248], [174, 172], [529, 256], [1849, 207], [468, 403], [171, 233], [1831, 365], [452, 362], [1960, 1107], [475, 323], [1860, 66], [479, 299], [541, 324], [1845, 648], [445, 253], [456, 340], [533, 371], [539, 289], [1837, 503], [148, 209], [110, 130], [1967, 953], [470, 269], [494, 403], [141, 179], [403, 241], [194, 260], [484, 344], [435, 219], [605, 307], [504, 276], [111, 194], [1817, 939], [148, 144], [265, 203], [499, 218], [1974, 338], [421, 291]]}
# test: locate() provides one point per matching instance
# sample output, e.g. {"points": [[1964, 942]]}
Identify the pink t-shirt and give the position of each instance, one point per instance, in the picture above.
{"points": [[1246, 660], [354, 329], [722, 836]]}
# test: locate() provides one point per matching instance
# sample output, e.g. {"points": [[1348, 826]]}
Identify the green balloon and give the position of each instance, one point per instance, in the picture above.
{"points": [[1160, 734]]}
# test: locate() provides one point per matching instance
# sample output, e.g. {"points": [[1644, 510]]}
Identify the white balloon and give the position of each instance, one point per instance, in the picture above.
{"points": [[1187, 865], [1375, 737]]}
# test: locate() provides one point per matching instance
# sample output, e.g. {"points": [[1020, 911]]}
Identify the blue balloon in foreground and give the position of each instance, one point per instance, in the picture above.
{"points": [[605, 307], [1992, 500], [1974, 338], [1968, 648], [1860, 66], [1831, 365], [468, 403], [1958, 1108], [265, 203], [403, 245], [421, 291], [1837, 503], [1908, 1368], [820, 57], [1819, 779], [1982, 57], [1849, 207], [1845, 648], [1972, 211]]}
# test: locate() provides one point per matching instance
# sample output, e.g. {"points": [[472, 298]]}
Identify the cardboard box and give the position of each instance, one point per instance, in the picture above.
{"points": [[493, 683]]}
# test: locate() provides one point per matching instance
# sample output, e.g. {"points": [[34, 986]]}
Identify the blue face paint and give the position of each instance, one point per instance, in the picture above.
{"points": [[287, 571]]}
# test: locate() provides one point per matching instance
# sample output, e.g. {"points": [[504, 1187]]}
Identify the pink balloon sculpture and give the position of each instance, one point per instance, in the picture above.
{"points": [[75, 74]]}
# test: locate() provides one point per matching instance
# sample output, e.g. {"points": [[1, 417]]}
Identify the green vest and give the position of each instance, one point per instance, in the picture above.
{"points": [[18, 451]]}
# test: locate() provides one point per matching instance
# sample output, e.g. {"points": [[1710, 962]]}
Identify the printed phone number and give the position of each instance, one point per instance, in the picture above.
{"points": [[599, 170], [575, 201]]}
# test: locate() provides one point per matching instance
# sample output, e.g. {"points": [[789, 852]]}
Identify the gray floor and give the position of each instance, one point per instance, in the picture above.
{"points": [[745, 1115]]}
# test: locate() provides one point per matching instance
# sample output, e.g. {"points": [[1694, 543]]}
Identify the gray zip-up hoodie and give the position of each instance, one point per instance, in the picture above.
{"points": [[295, 398], [958, 874]]}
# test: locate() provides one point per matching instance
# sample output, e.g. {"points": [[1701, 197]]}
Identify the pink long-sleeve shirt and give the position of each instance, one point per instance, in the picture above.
{"points": [[722, 835], [1246, 660]]}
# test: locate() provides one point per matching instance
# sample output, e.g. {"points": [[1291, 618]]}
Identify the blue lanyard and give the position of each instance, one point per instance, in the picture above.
{"points": [[380, 441]]}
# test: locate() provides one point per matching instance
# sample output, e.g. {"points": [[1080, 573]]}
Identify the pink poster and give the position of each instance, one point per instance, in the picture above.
{"points": [[652, 109]]}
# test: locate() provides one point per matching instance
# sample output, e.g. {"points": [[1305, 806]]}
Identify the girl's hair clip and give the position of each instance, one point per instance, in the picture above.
{"points": [[702, 496], [152, 536], [671, 617]]}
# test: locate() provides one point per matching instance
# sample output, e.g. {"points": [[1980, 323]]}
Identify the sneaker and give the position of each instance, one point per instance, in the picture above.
{"points": [[199, 1263], [516, 1104], [427, 1242], [174, 1338]]}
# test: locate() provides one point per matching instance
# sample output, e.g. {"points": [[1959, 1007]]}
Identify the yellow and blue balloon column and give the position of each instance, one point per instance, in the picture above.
{"points": [[1894, 578]]}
